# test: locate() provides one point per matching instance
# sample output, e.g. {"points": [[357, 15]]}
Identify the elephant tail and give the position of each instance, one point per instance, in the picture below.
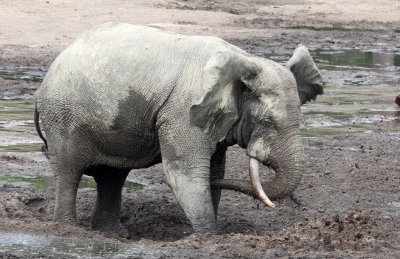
{"points": [[45, 149]]}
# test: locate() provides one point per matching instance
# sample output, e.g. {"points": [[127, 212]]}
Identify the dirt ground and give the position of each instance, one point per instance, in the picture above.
{"points": [[347, 202]]}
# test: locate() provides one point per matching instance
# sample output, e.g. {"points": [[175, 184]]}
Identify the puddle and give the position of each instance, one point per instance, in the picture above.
{"points": [[35, 74], [360, 90], [351, 109], [34, 147], [39, 245], [16, 110], [345, 59], [305, 27], [356, 59], [43, 182], [353, 67], [13, 124], [335, 130]]}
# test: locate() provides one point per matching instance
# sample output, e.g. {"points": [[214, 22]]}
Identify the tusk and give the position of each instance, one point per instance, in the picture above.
{"points": [[255, 182]]}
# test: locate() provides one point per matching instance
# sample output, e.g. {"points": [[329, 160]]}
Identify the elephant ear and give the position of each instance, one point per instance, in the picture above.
{"points": [[308, 78], [216, 110]]}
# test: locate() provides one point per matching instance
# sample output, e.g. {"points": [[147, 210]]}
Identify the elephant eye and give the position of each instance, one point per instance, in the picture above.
{"points": [[267, 122]]}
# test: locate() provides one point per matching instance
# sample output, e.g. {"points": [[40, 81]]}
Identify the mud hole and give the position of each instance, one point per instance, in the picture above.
{"points": [[347, 204]]}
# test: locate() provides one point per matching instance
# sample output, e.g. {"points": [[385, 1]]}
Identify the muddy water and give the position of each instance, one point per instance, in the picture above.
{"points": [[354, 67], [16, 115], [351, 109], [15, 110], [36, 245], [43, 182], [16, 122], [360, 88], [35, 74]]}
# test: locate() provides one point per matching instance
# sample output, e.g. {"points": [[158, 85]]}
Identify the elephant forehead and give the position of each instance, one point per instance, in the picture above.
{"points": [[272, 106], [278, 92], [275, 78]]}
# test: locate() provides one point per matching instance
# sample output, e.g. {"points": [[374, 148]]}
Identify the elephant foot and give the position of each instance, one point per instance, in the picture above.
{"points": [[114, 228], [203, 228], [65, 218]]}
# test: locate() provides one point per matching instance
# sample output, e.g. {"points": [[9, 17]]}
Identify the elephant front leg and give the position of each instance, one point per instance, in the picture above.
{"points": [[106, 213], [186, 155], [190, 182]]}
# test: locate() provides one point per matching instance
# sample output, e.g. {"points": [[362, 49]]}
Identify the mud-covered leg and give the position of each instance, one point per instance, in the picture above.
{"points": [[186, 161], [189, 181], [67, 182], [217, 169], [106, 214]]}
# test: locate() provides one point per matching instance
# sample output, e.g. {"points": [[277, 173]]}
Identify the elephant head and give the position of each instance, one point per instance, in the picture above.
{"points": [[256, 102]]}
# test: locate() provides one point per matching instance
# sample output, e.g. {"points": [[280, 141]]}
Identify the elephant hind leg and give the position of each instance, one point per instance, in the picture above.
{"points": [[68, 170], [106, 213], [67, 182]]}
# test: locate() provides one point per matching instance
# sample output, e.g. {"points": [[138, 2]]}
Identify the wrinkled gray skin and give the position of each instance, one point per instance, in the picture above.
{"points": [[122, 97]]}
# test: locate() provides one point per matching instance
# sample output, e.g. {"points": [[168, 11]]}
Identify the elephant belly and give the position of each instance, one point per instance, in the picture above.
{"points": [[132, 150], [125, 130]]}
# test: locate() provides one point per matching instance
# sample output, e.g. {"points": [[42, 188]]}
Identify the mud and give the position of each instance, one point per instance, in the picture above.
{"points": [[347, 204], [347, 207]]}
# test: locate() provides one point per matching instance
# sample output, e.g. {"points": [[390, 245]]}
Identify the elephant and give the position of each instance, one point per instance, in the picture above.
{"points": [[124, 97]]}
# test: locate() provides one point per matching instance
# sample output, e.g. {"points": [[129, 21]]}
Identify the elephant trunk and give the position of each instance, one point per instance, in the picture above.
{"points": [[288, 166], [287, 163]]}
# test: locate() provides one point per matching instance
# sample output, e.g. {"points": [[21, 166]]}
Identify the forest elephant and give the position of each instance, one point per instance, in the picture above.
{"points": [[124, 97]]}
